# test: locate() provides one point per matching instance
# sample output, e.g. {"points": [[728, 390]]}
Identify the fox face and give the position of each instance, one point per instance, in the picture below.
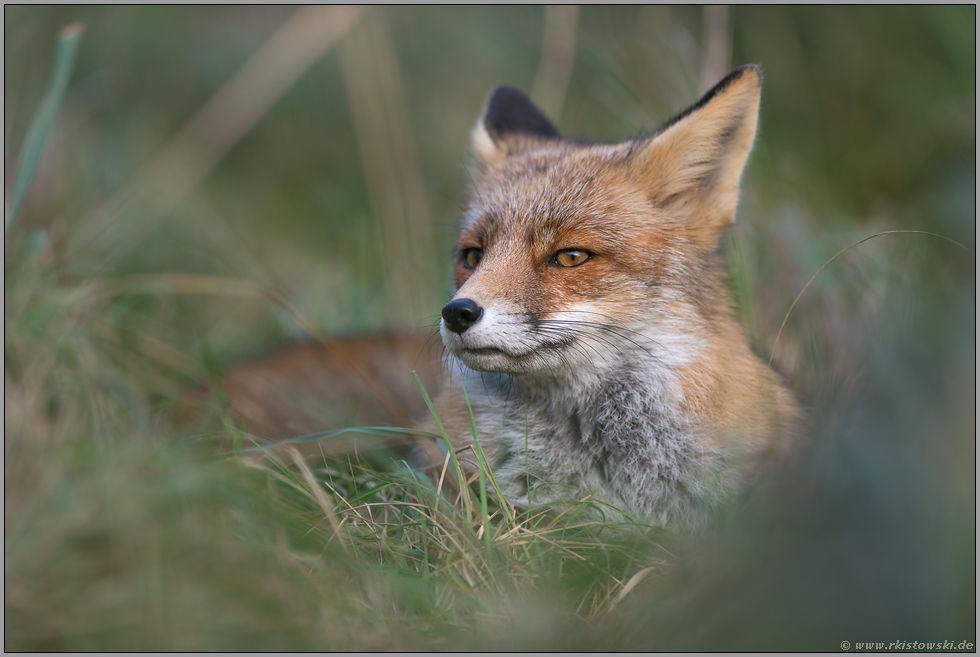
{"points": [[591, 325], [571, 254]]}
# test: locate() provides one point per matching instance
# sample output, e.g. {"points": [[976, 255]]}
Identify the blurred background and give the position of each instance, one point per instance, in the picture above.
{"points": [[216, 173]]}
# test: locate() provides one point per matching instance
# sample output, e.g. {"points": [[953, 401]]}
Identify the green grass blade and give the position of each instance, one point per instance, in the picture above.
{"points": [[485, 466], [43, 123], [374, 491], [527, 465], [396, 432], [463, 490]]}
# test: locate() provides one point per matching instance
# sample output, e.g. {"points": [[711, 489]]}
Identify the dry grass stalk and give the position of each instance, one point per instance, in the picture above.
{"points": [[376, 93], [557, 58], [177, 170]]}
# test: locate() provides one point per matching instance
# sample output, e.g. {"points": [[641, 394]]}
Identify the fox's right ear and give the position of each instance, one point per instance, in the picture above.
{"points": [[508, 119]]}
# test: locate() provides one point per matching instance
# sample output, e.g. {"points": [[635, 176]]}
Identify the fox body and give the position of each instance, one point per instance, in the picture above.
{"points": [[591, 327]]}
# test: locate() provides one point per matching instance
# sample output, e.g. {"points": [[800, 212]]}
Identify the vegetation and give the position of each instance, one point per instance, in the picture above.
{"points": [[190, 187]]}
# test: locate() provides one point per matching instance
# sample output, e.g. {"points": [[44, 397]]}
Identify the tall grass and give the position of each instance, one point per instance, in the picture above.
{"points": [[268, 223]]}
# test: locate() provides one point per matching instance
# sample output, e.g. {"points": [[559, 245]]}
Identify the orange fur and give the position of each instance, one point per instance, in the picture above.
{"points": [[310, 388]]}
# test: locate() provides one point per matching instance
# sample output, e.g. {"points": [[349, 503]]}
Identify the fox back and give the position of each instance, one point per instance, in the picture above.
{"points": [[591, 326]]}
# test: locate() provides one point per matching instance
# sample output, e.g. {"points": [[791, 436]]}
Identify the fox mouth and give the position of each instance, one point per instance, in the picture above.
{"points": [[500, 351], [492, 359], [486, 351], [496, 359]]}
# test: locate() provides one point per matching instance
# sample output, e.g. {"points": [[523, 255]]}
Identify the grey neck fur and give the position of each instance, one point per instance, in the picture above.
{"points": [[614, 435]]}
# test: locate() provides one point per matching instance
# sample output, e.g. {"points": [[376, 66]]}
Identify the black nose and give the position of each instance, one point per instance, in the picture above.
{"points": [[460, 314]]}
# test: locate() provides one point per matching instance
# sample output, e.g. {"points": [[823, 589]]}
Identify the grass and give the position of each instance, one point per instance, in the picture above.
{"points": [[122, 534], [44, 120], [125, 532]]}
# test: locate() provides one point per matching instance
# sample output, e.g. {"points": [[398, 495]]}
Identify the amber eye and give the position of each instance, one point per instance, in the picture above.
{"points": [[571, 257], [472, 257]]}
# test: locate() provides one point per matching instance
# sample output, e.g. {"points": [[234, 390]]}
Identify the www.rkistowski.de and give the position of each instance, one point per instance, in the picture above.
{"points": [[910, 645]]}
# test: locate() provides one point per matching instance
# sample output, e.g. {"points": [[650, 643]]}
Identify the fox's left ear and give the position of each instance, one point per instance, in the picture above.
{"points": [[692, 166], [510, 122]]}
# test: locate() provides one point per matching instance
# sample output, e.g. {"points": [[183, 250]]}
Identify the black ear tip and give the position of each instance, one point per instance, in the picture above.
{"points": [[737, 74], [504, 95], [509, 110]]}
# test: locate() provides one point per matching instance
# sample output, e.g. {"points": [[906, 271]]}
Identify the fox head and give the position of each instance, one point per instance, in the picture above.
{"points": [[572, 256]]}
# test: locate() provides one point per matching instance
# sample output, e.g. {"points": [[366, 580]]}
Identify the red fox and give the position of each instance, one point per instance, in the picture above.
{"points": [[591, 326]]}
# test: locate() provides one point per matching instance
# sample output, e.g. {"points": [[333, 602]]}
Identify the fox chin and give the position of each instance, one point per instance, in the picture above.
{"points": [[591, 326]]}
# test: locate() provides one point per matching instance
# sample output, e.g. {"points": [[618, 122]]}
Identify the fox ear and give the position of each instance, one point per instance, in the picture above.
{"points": [[509, 115], [693, 164]]}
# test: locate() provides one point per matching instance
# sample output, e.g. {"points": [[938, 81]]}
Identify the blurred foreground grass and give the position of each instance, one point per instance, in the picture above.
{"points": [[322, 155]]}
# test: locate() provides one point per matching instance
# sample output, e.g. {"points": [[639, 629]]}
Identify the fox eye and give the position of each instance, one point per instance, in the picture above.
{"points": [[571, 257], [472, 257]]}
